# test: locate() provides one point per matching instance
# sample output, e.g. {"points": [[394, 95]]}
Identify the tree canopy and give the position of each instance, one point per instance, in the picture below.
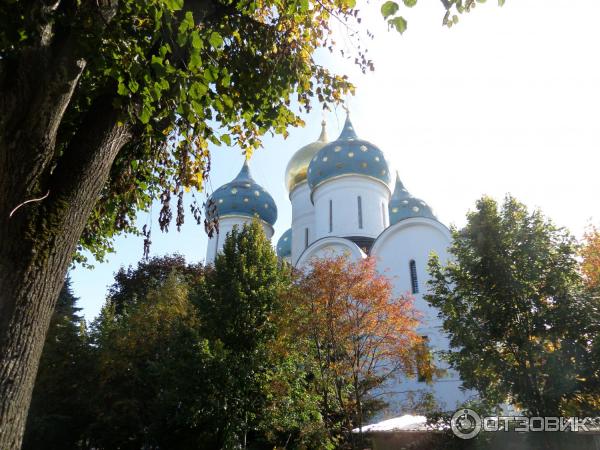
{"points": [[241, 304], [153, 374], [177, 76], [591, 258], [362, 339], [513, 305]]}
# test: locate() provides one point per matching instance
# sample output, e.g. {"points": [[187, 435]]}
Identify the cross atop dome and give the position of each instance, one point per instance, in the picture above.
{"points": [[323, 135]]}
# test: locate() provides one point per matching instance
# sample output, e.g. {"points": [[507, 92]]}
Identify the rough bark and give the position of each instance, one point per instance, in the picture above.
{"points": [[36, 247], [35, 92]]}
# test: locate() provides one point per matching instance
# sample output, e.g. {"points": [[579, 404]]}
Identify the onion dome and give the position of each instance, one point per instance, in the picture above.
{"points": [[348, 155], [404, 206], [284, 244], [243, 197], [295, 172]]}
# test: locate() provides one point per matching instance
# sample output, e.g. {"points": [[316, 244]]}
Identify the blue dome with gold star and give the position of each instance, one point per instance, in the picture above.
{"points": [[404, 206], [284, 244], [243, 197], [348, 155]]}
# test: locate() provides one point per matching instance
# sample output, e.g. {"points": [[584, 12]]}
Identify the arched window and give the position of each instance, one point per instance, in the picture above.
{"points": [[330, 216], [414, 282], [360, 212], [383, 215], [306, 238]]}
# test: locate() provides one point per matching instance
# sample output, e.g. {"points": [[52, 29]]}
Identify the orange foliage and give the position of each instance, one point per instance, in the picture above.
{"points": [[590, 265], [361, 334]]}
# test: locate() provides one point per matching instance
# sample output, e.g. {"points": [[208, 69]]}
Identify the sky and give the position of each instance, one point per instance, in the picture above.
{"points": [[507, 101]]}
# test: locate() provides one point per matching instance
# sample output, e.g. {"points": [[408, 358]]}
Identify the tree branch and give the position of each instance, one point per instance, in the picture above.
{"points": [[83, 169], [35, 91], [34, 95]]}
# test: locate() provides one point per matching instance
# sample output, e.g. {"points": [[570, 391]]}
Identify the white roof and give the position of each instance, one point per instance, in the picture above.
{"points": [[407, 422]]}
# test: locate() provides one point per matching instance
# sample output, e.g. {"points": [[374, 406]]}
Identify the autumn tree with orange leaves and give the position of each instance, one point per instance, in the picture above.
{"points": [[590, 252], [361, 336], [587, 400]]}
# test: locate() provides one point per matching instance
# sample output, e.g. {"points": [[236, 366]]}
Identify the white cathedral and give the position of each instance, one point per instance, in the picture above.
{"points": [[344, 200]]}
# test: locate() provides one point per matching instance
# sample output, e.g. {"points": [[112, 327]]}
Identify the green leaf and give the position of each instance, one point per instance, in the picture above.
{"points": [[410, 3], [196, 41], [133, 85], [187, 23], [174, 5], [156, 91], [195, 61], [210, 74], [227, 100], [198, 90], [501, 2], [399, 23], [122, 89], [226, 139], [389, 9], [225, 78], [145, 115], [215, 40], [157, 65]]}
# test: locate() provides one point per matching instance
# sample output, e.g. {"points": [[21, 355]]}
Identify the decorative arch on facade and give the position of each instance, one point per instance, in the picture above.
{"points": [[333, 246]]}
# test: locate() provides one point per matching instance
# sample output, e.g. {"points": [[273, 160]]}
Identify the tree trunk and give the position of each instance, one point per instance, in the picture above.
{"points": [[37, 244]]}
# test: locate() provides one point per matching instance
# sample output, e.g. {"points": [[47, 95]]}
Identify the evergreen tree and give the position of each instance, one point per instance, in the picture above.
{"points": [[511, 303], [60, 411], [264, 395]]}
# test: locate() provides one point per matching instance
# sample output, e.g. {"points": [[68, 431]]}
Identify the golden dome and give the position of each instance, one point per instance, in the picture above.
{"points": [[295, 172]]}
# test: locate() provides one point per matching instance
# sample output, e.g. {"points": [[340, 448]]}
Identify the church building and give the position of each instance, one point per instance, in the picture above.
{"points": [[345, 200]]}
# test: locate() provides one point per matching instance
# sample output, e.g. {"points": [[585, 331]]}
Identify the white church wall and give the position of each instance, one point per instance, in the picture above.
{"points": [[226, 224], [336, 206], [413, 240], [303, 220]]}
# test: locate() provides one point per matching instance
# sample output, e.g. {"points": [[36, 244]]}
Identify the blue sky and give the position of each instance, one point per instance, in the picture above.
{"points": [[507, 101]]}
